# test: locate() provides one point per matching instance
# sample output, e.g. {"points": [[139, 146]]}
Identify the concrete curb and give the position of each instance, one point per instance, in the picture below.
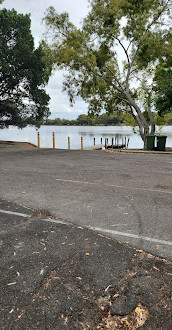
{"points": [[145, 152]]}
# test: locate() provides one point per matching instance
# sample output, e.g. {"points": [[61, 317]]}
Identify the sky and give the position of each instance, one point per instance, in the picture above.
{"points": [[77, 9]]}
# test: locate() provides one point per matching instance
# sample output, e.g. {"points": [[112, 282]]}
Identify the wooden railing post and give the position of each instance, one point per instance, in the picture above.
{"points": [[53, 140], [68, 143], [38, 140], [81, 143]]}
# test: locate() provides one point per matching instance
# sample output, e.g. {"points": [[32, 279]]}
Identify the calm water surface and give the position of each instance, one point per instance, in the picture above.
{"points": [[29, 134]]}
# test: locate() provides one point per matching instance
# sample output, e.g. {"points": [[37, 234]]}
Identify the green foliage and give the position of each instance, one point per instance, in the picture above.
{"points": [[165, 119], [94, 55], [127, 119], [163, 88], [87, 120], [162, 83], [23, 99]]}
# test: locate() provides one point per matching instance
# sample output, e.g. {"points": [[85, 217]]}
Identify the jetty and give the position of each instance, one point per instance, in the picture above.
{"points": [[115, 144]]}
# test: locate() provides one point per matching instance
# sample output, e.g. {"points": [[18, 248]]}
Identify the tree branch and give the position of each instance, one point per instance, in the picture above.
{"points": [[130, 64], [120, 88], [126, 53], [138, 122], [151, 119], [148, 27]]}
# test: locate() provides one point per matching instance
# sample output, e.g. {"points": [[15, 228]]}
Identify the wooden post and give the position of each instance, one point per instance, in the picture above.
{"points": [[38, 140], [115, 140], [68, 143], [81, 143], [53, 140], [101, 141], [105, 143], [94, 141], [128, 142]]}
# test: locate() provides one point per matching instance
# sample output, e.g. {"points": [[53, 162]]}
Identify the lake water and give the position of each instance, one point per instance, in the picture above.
{"points": [[29, 134]]}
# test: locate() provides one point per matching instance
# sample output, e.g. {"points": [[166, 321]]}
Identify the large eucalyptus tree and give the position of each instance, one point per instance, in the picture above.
{"points": [[112, 58]]}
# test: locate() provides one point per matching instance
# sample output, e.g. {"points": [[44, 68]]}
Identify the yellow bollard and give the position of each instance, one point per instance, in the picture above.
{"points": [[68, 143], [38, 141], [53, 140], [81, 143]]}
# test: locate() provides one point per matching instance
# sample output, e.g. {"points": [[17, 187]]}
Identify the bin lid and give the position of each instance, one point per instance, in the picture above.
{"points": [[164, 136]]}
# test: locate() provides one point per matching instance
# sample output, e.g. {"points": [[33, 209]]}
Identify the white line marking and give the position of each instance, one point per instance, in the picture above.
{"points": [[75, 181], [114, 170], [163, 172], [54, 221], [119, 233], [116, 186], [16, 213]]}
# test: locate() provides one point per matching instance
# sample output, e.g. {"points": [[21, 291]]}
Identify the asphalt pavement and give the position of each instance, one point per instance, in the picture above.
{"points": [[124, 196], [59, 275]]}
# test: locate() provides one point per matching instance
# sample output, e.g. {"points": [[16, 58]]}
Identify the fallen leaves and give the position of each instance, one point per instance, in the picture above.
{"points": [[11, 311], [141, 315], [131, 322], [21, 314], [42, 243], [137, 310], [109, 286]]}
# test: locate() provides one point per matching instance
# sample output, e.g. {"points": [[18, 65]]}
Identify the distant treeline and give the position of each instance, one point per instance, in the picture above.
{"points": [[104, 120]]}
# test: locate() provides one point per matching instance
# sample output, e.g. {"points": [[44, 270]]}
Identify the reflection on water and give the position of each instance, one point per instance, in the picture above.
{"points": [[104, 135], [29, 134]]}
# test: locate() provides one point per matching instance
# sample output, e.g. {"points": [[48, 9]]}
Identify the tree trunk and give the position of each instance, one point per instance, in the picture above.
{"points": [[152, 122], [140, 114], [140, 120], [146, 132], [141, 131]]}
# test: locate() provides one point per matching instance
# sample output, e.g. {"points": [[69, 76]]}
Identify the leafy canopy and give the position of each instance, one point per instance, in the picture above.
{"points": [[163, 81], [113, 56], [23, 76]]}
